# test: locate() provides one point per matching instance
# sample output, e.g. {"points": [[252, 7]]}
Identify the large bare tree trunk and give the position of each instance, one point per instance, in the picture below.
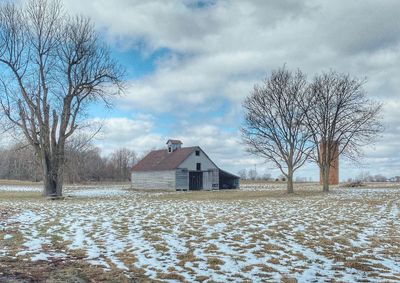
{"points": [[290, 181], [53, 172], [60, 174], [48, 176], [325, 178], [59, 182]]}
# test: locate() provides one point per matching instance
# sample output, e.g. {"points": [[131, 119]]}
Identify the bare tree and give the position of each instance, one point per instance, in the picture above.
{"points": [[84, 162], [274, 127], [122, 160], [341, 116], [266, 176], [242, 173], [79, 156], [18, 162], [380, 178], [252, 174], [52, 65]]}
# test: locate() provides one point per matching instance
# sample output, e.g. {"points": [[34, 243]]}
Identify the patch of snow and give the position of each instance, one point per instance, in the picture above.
{"points": [[16, 188], [260, 240]]}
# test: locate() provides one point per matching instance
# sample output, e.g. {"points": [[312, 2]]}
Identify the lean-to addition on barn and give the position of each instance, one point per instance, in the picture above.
{"points": [[180, 168]]}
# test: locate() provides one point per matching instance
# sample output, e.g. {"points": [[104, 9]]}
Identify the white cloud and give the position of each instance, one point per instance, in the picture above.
{"points": [[177, 25], [219, 52], [136, 134]]}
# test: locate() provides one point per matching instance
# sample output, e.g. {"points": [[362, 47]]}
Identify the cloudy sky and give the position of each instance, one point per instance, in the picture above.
{"points": [[191, 63]]}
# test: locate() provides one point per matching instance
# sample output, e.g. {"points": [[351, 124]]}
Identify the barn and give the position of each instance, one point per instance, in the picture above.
{"points": [[180, 168]]}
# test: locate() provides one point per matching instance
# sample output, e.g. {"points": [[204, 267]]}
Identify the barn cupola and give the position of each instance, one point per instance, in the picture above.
{"points": [[173, 145]]}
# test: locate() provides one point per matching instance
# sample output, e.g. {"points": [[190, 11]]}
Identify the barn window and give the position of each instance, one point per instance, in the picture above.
{"points": [[197, 152], [198, 166]]}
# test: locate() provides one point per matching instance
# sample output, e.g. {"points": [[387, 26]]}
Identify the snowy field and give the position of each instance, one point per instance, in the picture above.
{"points": [[254, 235]]}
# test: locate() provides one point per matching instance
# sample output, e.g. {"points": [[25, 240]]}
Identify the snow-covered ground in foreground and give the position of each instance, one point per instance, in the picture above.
{"points": [[349, 234], [96, 192], [72, 190], [19, 188]]}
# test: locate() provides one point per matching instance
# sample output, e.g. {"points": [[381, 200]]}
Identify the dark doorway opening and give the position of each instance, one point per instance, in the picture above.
{"points": [[228, 180], [195, 180]]}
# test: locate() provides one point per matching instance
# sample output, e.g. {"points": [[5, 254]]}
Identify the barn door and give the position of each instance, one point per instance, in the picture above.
{"points": [[195, 180]]}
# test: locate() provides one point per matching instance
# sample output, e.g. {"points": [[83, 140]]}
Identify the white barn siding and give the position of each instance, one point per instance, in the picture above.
{"points": [[190, 162], [154, 180], [182, 179], [211, 180]]}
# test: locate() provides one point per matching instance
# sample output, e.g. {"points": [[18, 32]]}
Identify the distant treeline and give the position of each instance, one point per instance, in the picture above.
{"points": [[367, 177], [84, 162]]}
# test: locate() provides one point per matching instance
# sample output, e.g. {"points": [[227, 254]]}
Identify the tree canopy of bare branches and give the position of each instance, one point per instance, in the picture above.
{"points": [[273, 126], [84, 162], [123, 159], [52, 65], [341, 115]]}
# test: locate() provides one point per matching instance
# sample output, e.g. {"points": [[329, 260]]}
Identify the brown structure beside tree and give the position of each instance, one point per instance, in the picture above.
{"points": [[334, 168]]}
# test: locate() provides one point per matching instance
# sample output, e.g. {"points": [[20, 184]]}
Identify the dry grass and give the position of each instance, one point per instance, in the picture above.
{"points": [[258, 233], [20, 195], [238, 195], [19, 183], [58, 271]]}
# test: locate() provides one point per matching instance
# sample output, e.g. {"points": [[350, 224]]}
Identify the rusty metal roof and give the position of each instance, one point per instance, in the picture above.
{"points": [[158, 160]]}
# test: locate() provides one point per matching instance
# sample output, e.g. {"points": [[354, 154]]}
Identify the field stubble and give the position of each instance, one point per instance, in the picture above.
{"points": [[258, 233]]}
